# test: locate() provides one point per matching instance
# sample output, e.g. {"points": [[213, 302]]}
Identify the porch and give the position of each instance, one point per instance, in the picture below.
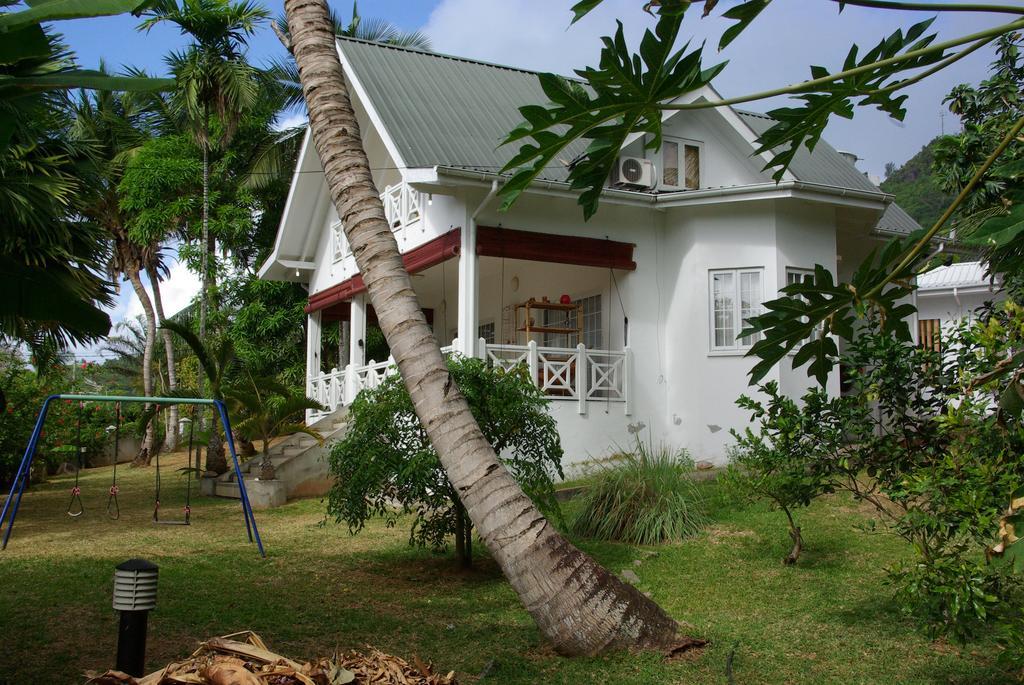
{"points": [[497, 297], [578, 375]]}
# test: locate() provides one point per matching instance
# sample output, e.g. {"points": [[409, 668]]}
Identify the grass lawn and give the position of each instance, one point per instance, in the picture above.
{"points": [[826, 621]]}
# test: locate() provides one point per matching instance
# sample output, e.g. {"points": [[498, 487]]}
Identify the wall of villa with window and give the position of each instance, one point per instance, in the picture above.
{"points": [[731, 262]]}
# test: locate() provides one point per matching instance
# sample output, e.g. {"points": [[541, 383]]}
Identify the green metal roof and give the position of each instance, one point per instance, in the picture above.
{"points": [[447, 111]]}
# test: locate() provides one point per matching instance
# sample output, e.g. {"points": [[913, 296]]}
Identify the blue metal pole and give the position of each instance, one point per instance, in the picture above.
{"points": [[23, 471], [246, 505]]}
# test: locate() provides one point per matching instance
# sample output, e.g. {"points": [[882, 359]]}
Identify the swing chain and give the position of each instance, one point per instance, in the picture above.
{"points": [[76, 491], [114, 489]]}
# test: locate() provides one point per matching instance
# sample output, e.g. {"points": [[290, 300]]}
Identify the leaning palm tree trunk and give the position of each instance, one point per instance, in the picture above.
{"points": [[147, 359], [171, 435], [577, 604]]}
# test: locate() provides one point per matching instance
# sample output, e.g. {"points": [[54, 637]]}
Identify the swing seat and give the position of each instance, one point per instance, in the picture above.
{"points": [[172, 522]]}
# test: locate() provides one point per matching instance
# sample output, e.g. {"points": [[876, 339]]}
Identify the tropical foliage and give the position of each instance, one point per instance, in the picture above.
{"points": [[923, 442], [267, 409], [386, 466], [51, 261], [645, 496]]}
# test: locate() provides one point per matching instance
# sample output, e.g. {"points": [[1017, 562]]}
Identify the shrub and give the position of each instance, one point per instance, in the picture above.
{"points": [[385, 458], [787, 461], [647, 496]]}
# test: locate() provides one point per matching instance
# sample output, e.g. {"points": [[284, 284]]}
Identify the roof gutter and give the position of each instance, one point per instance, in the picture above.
{"points": [[683, 197]]}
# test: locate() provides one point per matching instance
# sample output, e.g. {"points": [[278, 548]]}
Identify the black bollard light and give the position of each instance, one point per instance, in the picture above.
{"points": [[134, 597]]}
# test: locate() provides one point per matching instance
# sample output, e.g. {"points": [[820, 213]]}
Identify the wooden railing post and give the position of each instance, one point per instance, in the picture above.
{"points": [[533, 361], [581, 378], [481, 348]]}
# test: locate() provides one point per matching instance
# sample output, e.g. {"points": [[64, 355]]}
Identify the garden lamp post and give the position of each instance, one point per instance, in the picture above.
{"points": [[134, 596]]}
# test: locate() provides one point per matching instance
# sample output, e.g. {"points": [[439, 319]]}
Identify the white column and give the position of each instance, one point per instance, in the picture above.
{"points": [[469, 291], [357, 331], [313, 342]]}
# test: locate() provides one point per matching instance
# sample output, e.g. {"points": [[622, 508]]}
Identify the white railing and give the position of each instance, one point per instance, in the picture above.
{"points": [[401, 206], [339, 243], [563, 373]]}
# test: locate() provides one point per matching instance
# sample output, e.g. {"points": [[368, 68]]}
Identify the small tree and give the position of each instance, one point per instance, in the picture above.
{"points": [[386, 457], [788, 459], [269, 409]]}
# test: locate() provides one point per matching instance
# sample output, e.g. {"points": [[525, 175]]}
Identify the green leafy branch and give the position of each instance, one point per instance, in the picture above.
{"points": [[628, 93]]}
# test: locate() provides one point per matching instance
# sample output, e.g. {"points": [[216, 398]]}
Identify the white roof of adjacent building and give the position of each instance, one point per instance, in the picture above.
{"points": [[962, 275]]}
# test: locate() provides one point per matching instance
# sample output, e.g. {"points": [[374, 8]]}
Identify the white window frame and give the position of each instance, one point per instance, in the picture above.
{"points": [[801, 272], [494, 331], [735, 346], [682, 143], [798, 271]]}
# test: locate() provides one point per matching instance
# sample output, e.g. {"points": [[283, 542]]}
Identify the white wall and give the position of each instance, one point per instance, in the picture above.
{"points": [[805, 237], [725, 157]]}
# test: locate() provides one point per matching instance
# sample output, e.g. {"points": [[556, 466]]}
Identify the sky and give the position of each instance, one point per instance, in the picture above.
{"points": [[776, 50]]}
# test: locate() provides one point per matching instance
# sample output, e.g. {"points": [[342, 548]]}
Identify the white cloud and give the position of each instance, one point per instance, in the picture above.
{"points": [[176, 291], [290, 120], [776, 50]]}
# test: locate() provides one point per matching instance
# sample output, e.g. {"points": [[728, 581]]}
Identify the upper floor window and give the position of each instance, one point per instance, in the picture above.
{"points": [[736, 296], [680, 164]]}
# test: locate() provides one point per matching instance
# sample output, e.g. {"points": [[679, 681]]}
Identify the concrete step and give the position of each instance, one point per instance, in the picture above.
{"points": [[230, 489]]}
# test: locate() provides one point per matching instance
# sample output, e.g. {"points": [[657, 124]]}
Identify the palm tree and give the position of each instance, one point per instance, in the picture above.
{"points": [[49, 261], [215, 85], [269, 409], [115, 126], [216, 365], [375, 29], [577, 604]]}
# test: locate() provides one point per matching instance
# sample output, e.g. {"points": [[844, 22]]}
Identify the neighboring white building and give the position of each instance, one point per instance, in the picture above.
{"points": [[948, 295], [664, 274]]}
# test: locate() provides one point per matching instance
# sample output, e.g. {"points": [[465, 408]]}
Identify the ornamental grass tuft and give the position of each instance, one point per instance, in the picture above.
{"points": [[646, 496]]}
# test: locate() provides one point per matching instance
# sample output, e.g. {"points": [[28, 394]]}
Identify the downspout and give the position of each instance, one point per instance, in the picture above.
{"points": [[472, 292]]}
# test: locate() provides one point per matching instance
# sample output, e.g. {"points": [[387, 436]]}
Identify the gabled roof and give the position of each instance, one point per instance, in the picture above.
{"points": [[446, 111], [825, 165]]}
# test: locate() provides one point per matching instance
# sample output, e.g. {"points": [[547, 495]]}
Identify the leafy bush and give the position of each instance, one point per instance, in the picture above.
{"points": [[783, 461], [386, 459], [646, 497], [933, 448]]}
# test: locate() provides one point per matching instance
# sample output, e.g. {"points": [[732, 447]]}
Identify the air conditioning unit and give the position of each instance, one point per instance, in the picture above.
{"points": [[634, 171]]}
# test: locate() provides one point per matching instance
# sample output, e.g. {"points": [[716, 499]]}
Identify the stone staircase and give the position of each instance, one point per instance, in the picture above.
{"points": [[301, 464]]}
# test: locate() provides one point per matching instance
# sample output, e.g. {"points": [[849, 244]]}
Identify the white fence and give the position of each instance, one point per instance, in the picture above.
{"points": [[573, 374]]}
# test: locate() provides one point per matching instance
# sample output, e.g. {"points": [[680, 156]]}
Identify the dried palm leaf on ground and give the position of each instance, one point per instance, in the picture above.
{"points": [[244, 659]]}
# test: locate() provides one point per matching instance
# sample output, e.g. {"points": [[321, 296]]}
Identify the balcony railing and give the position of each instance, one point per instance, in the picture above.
{"points": [[401, 209], [401, 206], [574, 374]]}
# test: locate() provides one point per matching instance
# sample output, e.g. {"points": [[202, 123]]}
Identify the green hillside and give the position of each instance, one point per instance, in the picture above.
{"points": [[915, 188]]}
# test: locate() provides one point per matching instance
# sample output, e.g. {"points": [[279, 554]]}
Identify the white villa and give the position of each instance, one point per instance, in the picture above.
{"points": [[657, 282]]}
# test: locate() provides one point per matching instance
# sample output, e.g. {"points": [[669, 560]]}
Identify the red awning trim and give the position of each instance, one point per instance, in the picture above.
{"points": [[418, 259], [549, 247], [506, 243]]}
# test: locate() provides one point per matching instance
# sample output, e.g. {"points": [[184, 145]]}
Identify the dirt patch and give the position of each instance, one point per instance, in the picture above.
{"points": [[721, 535]]}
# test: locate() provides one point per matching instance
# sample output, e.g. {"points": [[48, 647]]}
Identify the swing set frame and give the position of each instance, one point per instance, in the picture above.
{"points": [[13, 501]]}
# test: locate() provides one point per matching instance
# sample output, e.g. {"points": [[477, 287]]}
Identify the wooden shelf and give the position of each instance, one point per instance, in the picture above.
{"points": [[527, 326], [548, 329], [555, 306]]}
